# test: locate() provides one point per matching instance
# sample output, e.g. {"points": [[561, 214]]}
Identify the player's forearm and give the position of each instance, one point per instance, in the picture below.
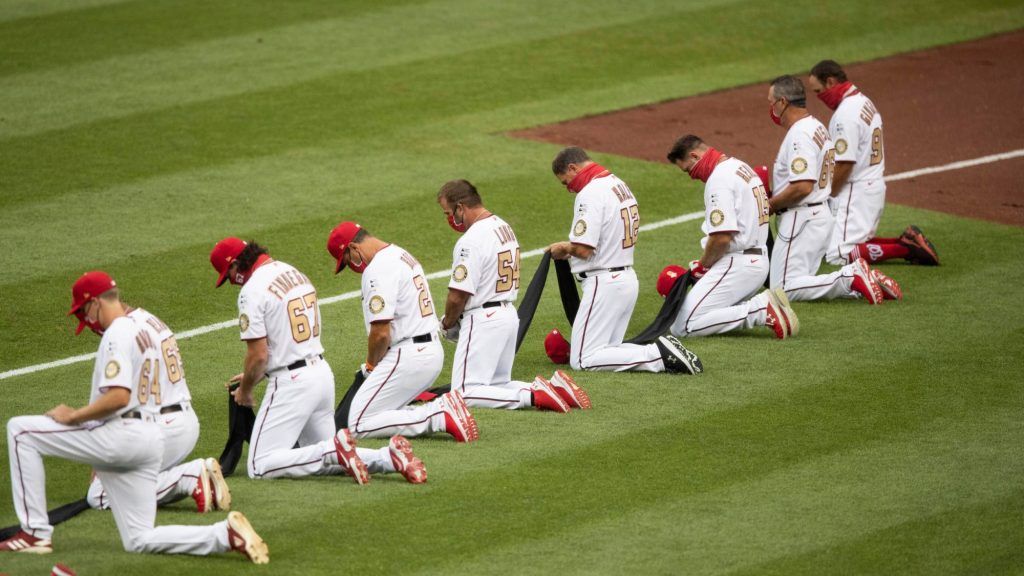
{"points": [[841, 176], [717, 246], [255, 369], [454, 306], [104, 406], [377, 343], [791, 195]]}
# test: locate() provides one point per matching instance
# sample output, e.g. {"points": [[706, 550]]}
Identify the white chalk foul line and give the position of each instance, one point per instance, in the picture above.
{"points": [[530, 254]]}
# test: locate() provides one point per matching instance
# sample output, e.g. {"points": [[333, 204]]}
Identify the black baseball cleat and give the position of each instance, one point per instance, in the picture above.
{"points": [[677, 358], [922, 251]]}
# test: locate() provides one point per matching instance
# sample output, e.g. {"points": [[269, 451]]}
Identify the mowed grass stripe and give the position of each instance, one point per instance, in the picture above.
{"points": [[220, 68], [26, 9]]}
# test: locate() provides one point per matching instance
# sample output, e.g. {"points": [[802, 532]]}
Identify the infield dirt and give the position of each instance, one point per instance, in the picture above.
{"points": [[939, 105]]}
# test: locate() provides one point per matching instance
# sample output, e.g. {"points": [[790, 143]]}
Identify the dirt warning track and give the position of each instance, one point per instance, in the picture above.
{"points": [[939, 106]]}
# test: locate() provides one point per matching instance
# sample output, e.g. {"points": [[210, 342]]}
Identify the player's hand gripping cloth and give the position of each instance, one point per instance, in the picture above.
{"points": [[571, 301], [241, 420]]}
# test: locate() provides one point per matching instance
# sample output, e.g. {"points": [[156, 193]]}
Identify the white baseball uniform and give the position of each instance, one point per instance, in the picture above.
{"points": [[171, 406], [395, 290], [735, 203], [125, 450], [486, 266], [279, 303], [607, 218], [806, 154], [856, 130]]}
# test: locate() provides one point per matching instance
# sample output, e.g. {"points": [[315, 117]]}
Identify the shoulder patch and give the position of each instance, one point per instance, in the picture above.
{"points": [[243, 322], [460, 273], [717, 217], [841, 146], [376, 304], [580, 228], [799, 166], [112, 369]]}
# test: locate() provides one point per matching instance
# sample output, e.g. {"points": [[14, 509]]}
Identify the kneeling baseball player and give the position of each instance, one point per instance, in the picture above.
{"points": [[280, 322], [480, 312], [115, 435], [734, 264], [403, 353]]}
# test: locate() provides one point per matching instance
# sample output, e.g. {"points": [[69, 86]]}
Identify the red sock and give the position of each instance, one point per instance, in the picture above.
{"points": [[879, 249]]}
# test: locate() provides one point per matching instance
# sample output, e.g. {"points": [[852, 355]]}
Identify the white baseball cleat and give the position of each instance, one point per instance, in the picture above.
{"points": [[27, 544], [203, 493], [405, 462], [345, 448], [566, 387], [865, 284], [890, 288], [545, 397], [457, 420], [242, 538], [218, 485]]}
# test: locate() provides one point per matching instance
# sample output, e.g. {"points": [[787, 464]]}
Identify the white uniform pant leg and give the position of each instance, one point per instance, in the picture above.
{"points": [[860, 206], [601, 322], [796, 257], [720, 301], [289, 404], [380, 408], [134, 509], [482, 369]]}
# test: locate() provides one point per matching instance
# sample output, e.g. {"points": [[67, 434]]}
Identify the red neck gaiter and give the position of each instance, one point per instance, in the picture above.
{"points": [[834, 95], [583, 177], [242, 277], [706, 165]]}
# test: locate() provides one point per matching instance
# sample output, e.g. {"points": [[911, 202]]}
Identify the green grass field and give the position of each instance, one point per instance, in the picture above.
{"points": [[134, 135]]}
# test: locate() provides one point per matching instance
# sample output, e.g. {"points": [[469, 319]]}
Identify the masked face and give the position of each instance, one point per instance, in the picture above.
{"points": [[357, 267], [458, 224], [777, 118], [90, 322]]}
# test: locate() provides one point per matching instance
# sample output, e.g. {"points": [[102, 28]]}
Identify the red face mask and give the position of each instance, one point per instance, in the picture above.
{"points": [[833, 96], [459, 227], [777, 119], [706, 165], [90, 324], [357, 268]]}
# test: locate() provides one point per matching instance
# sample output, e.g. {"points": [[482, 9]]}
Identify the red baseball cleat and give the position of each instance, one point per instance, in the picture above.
{"points": [[243, 539], [865, 284], [545, 397], [26, 543], [572, 394], [890, 288], [203, 493], [457, 420], [405, 462], [345, 448]]}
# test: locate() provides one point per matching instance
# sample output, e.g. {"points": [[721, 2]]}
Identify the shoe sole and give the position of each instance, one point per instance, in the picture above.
{"points": [[890, 293], [31, 550], [349, 460], [467, 417], [864, 273], [450, 407], [569, 391], [255, 548], [221, 492], [920, 241], [403, 459], [541, 384], [204, 482], [675, 347], [780, 314], [790, 315]]}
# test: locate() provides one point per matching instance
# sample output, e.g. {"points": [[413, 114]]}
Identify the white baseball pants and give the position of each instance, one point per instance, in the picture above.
{"points": [[126, 455], [859, 207], [605, 308], [298, 407], [176, 480], [482, 370], [380, 408], [722, 299], [803, 235]]}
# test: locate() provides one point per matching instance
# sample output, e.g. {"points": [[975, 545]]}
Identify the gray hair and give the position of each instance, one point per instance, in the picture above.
{"points": [[790, 89], [570, 155]]}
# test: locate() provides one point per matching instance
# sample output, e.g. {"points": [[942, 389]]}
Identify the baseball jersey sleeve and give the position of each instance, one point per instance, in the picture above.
{"points": [[587, 220], [466, 268], [803, 159], [720, 209], [251, 317], [115, 359], [380, 295], [847, 139]]}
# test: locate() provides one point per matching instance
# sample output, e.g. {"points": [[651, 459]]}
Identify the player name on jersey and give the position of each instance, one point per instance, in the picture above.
{"points": [[285, 282]]}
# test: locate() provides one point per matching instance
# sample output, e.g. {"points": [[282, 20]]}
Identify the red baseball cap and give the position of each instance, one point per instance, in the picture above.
{"points": [[339, 240], [86, 288], [556, 347], [667, 278], [223, 254], [766, 178]]}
